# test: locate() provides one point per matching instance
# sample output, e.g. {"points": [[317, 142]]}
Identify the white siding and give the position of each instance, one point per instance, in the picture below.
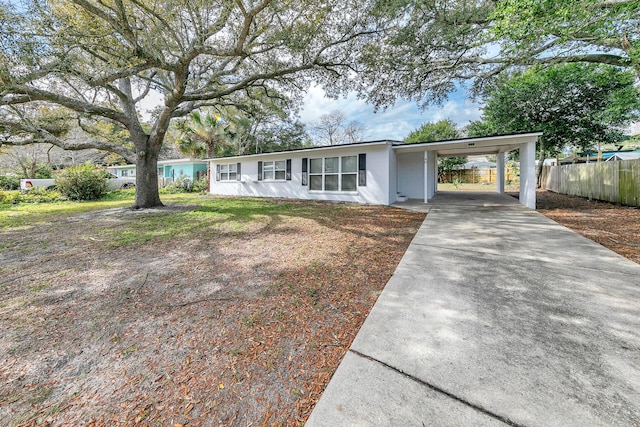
{"points": [[375, 192]]}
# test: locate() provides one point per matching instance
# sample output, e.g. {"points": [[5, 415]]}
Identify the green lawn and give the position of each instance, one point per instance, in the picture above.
{"points": [[29, 214]]}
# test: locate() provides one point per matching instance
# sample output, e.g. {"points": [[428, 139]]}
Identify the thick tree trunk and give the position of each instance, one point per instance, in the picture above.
{"points": [[147, 195]]}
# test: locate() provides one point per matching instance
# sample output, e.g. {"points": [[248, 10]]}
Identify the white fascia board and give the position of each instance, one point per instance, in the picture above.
{"points": [[295, 152], [179, 161], [121, 166], [472, 144]]}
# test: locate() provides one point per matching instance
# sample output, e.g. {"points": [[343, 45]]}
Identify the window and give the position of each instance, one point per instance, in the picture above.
{"points": [[333, 173], [277, 170], [274, 170], [228, 172]]}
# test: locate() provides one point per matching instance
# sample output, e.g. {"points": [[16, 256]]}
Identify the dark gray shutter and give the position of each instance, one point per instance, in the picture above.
{"points": [[288, 169], [259, 171], [217, 172], [304, 171], [239, 172], [362, 170]]}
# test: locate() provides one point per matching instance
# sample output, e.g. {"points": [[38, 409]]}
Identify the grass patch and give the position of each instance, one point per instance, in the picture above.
{"points": [[37, 288], [30, 214], [220, 216]]}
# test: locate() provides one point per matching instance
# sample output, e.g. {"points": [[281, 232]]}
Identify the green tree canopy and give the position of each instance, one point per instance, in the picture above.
{"points": [[442, 130], [279, 136], [101, 59], [431, 47], [573, 105]]}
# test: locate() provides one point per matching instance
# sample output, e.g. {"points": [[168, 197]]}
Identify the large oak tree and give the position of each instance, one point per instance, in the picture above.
{"points": [[99, 60], [430, 47]]}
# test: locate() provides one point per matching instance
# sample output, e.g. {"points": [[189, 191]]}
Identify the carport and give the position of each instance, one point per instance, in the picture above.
{"points": [[416, 165]]}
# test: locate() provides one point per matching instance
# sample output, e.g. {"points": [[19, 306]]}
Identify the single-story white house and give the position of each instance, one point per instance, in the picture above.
{"points": [[375, 172]]}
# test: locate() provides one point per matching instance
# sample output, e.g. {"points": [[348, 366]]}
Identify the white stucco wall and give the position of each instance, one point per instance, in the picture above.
{"points": [[393, 176], [376, 190]]}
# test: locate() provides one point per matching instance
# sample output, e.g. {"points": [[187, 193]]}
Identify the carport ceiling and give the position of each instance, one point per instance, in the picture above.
{"points": [[471, 146]]}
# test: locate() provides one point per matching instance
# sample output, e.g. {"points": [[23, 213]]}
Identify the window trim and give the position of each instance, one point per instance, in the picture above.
{"points": [[285, 169], [340, 174], [223, 176]]}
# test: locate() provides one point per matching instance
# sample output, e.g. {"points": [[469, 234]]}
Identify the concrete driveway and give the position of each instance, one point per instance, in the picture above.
{"points": [[496, 315]]}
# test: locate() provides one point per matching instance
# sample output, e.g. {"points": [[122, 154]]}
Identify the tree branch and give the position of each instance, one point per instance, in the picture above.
{"points": [[39, 135], [32, 94]]}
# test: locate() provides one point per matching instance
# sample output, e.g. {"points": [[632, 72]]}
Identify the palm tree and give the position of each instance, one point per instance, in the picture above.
{"points": [[204, 135]]}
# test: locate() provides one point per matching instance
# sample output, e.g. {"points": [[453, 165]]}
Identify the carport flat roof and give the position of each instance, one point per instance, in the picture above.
{"points": [[470, 146]]}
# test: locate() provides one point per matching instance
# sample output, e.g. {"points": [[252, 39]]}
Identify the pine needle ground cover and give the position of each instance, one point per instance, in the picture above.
{"points": [[207, 312]]}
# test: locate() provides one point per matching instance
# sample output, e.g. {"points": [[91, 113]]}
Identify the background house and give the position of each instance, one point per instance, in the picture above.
{"points": [[168, 170]]}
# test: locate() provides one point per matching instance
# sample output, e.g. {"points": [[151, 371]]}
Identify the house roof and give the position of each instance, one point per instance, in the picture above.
{"points": [[463, 146], [325, 147], [181, 161], [164, 162], [121, 167], [625, 156], [479, 165]]}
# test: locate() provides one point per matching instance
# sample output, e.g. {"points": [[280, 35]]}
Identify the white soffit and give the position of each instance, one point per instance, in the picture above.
{"points": [[471, 146]]}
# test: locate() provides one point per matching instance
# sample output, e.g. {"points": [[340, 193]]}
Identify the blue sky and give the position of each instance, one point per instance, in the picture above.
{"points": [[395, 122]]}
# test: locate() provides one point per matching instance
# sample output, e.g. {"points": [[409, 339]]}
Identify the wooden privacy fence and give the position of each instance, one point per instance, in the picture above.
{"points": [[617, 182], [476, 176]]}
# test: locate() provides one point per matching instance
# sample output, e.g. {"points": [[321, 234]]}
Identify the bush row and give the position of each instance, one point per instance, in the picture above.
{"points": [[35, 195], [81, 184]]}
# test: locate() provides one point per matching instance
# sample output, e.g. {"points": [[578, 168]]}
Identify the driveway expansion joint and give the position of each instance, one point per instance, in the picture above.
{"points": [[437, 389], [523, 258]]}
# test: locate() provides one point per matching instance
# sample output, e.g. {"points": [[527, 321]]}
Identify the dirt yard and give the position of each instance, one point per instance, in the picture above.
{"points": [[228, 313], [613, 226]]}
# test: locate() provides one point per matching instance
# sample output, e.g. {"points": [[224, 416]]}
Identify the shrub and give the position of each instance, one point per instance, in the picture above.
{"points": [[184, 184], [200, 186], [9, 182], [82, 182], [35, 195], [41, 195]]}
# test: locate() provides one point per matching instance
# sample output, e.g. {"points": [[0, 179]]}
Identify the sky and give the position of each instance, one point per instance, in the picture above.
{"points": [[395, 122]]}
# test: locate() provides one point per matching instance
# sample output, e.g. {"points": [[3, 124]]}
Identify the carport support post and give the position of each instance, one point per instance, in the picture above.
{"points": [[528, 174], [430, 174], [500, 174]]}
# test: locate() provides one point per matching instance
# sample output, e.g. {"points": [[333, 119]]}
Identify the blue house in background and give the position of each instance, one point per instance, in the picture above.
{"points": [[168, 170]]}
